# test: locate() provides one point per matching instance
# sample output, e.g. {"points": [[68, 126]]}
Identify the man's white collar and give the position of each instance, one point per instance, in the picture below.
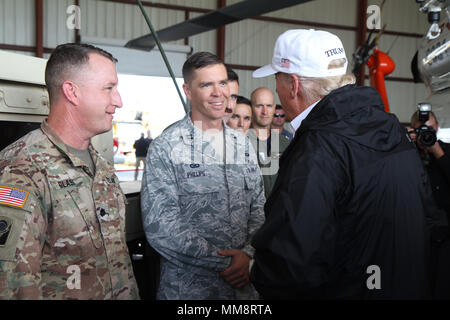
{"points": [[295, 124]]}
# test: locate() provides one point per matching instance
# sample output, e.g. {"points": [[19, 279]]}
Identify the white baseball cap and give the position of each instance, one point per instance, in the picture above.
{"points": [[306, 53]]}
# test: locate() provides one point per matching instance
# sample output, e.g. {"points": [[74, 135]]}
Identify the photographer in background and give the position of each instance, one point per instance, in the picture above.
{"points": [[435, 157]]}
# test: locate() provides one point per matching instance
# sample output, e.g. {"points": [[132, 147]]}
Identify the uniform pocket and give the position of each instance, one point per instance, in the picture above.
{"points": [[201, 198], [73, 217], [111, 212]]}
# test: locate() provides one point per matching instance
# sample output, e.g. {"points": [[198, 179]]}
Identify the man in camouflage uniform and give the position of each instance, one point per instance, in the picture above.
{"points": [[202, 194], [62, 212]]}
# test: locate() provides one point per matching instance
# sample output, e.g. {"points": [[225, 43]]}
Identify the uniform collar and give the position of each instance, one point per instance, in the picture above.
{"points": [[193, 132], [193, 136], [56, 140]]}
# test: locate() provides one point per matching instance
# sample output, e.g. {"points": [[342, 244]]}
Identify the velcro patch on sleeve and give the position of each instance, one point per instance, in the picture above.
{"points": [[16, 208], [5, 229], [11, 226], [14, 197], [12, 222]]}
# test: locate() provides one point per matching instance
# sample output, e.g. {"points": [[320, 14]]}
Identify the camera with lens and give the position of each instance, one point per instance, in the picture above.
{"points": [[425, 134]]}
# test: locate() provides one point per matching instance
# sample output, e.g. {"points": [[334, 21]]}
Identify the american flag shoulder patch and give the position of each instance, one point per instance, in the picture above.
{"points": [[13, 196]]}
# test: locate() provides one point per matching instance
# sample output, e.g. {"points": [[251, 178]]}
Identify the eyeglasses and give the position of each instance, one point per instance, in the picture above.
{"points": [[276, 115]]}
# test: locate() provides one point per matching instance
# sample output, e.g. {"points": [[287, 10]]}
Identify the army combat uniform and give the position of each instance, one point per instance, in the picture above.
{"points": [[62, 227], [194, 203]]}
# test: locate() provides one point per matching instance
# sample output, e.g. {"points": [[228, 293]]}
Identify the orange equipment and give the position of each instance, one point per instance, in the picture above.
{"points": [[380, 65]]}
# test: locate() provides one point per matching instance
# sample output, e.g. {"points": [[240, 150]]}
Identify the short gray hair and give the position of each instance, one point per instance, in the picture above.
{"points": [[314, 89]]}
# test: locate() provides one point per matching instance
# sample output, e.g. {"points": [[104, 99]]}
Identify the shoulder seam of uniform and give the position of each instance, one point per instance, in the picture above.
{"points": [[24, 154]]}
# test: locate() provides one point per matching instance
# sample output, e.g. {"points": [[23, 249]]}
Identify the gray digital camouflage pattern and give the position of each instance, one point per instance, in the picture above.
{"points": [[193, 205], [67, 240]]}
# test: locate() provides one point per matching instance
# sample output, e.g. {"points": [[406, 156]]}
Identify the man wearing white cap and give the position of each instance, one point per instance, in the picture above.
{"points": [[347, 215]]}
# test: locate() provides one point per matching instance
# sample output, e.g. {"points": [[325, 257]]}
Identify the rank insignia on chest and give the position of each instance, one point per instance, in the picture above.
{"points": [[5, 228], [13, 196], [66, 183]]}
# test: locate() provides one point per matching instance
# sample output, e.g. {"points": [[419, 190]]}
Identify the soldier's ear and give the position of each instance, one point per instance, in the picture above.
{"points": [[70, 92], [187, 90]]}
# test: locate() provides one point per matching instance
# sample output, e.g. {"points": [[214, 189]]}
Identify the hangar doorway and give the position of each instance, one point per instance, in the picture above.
{"points": [[149, 97]]}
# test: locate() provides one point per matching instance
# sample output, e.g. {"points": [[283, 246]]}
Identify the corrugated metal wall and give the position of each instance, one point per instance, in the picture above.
{"points": [[55, 23], [248, 42], [341, 12], [17, 20], [205, 41], [402, 15], [123, 21], [205, 4]]}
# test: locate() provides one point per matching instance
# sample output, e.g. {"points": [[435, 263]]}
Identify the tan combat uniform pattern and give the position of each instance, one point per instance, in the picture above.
{"points": [[71, 220]]}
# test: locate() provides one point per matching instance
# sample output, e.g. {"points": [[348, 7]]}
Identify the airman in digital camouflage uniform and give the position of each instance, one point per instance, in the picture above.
{"points": [[62, 212], [202, 194]]}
